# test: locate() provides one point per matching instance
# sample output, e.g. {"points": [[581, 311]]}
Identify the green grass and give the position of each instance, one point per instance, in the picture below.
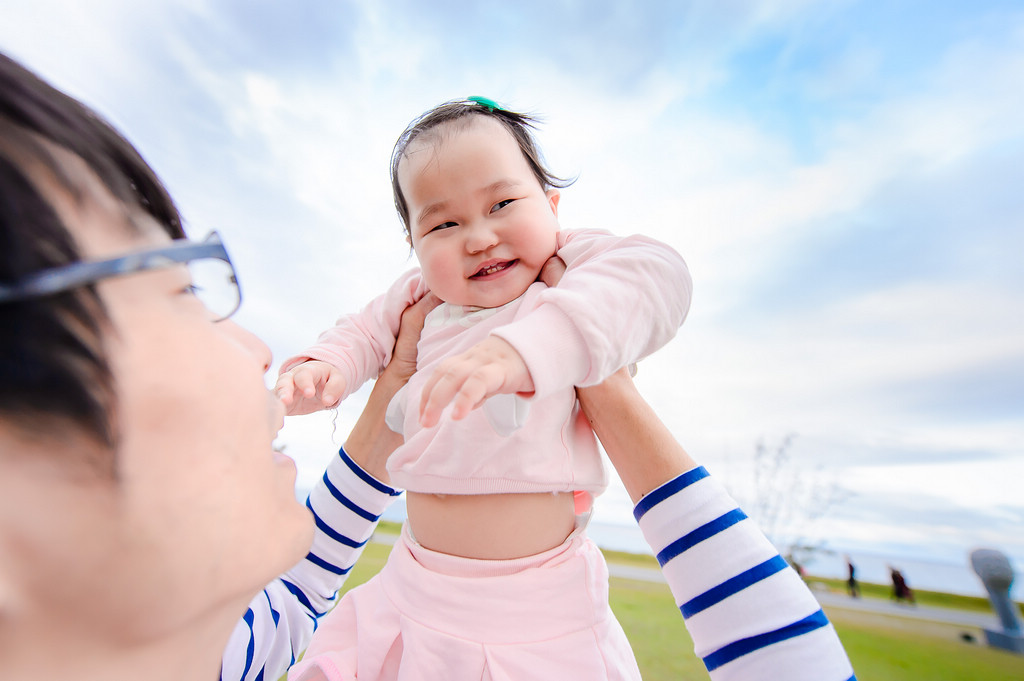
{"points": [[369, 564], [878, 652], [930, 598], [651, 620], [388, 527], [885, 654], [632, 559], [664, 650]]}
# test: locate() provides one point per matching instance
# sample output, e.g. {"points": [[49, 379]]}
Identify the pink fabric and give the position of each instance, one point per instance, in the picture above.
{"points": [[430, 616], [541, 444], [621, 298]]}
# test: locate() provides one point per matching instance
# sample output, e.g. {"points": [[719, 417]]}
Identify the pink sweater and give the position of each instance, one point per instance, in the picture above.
{"points": [[621, 299]]}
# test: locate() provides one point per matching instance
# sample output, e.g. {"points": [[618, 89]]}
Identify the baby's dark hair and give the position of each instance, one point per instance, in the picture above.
{"points": [[519, 126]]}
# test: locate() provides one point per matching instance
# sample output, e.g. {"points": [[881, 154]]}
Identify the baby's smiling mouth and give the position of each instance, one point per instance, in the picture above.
{"points": [[494, 268]]}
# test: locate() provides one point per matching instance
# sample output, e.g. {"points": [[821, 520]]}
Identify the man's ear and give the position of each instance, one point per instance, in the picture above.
{"points": [[553, 196]]}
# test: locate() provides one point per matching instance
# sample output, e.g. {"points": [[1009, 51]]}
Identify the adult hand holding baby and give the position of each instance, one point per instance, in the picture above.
{"points": [[552, 271]]}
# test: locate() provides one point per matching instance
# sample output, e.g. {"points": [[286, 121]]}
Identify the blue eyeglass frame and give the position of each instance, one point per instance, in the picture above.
{"points": [[58, 279]]}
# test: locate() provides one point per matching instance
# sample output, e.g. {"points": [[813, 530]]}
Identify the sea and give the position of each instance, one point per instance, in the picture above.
{"points": [[920, 572]]}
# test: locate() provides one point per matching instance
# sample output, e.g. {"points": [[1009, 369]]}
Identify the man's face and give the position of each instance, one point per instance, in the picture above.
{"points": [[202, 510]]}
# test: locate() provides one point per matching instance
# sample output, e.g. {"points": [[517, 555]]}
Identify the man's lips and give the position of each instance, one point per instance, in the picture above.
{"points": [[493, 267]]}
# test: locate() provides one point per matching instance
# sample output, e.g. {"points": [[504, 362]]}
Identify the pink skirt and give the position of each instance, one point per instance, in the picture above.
{"points": [[429, 615]]}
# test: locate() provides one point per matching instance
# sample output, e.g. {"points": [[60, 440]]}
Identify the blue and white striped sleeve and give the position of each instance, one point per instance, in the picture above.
{"points": [[749, 614], [346, 504]]}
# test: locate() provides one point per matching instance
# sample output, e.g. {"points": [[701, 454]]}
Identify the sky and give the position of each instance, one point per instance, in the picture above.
{"points": [[843, 178]]}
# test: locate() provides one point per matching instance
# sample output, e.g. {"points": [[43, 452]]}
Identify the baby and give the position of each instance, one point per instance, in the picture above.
{"points": [[493, 576]]}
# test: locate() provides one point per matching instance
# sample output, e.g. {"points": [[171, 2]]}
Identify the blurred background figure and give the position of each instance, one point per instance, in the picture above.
{"points": [[851, 581], [900, 591]]}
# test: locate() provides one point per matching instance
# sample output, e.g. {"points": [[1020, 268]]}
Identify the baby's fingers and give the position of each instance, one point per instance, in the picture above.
{"points": [[333, 388], [474, 390], [285, 389], [305, 383], [437, 393], [464, 388]]}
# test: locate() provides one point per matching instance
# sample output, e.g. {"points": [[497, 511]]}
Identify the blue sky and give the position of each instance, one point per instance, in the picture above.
{"points": [[842, 177]]}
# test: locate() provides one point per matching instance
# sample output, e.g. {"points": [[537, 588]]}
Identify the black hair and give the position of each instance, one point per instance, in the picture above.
{"points": [[519, 125], [53, 362]]}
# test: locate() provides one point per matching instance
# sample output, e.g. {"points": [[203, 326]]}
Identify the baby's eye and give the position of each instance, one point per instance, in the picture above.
{"points": [[501, 204], [445, 225]]}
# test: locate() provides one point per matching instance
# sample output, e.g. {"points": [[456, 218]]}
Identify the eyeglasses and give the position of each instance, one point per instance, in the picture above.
{"points": [[213, 276]]}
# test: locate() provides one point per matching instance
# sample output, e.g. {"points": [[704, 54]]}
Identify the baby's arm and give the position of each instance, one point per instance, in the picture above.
{"points": [[622, 298], [348, 354], [465, 381]]}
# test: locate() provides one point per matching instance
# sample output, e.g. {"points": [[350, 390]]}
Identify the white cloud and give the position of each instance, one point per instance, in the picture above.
{"points": [[294, 172], [984, 486]]}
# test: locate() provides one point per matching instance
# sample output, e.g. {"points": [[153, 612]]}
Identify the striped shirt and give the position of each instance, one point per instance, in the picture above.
{"points": [[749, 614], [346, 504]]}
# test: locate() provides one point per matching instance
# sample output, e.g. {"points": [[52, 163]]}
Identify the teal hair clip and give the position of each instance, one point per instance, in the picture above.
{"points": [[488, 104]]}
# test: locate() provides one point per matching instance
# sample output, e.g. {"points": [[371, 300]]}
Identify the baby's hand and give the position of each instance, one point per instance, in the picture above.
{"points": [[309, 387], [488, 368]]}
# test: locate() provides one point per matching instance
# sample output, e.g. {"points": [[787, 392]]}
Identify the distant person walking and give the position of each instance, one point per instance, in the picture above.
{"points": [[900, 591], [851, 581]]}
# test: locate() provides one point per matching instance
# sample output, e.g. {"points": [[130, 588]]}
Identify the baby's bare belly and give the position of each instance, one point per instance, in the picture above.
{"points": [[491, 526]]}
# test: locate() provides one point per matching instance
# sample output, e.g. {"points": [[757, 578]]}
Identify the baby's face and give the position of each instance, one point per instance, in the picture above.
{"points": [[481, 225]]}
